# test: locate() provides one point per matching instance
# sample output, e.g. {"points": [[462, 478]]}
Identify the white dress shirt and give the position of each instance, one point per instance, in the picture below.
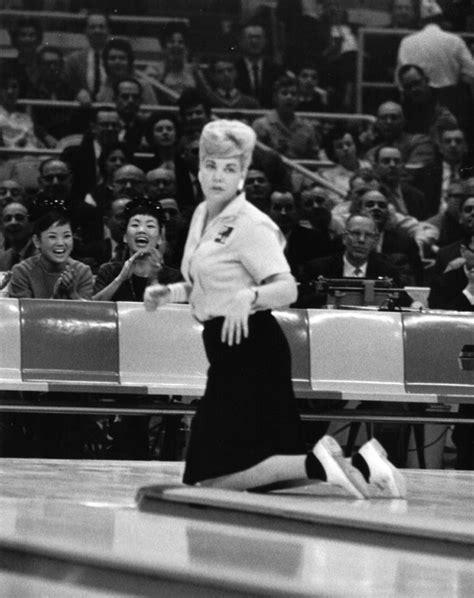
{"points": [[443, 56]]}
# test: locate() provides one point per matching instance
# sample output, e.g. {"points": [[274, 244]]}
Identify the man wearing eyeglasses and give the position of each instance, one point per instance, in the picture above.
{"points": [[454, 290], [449, 256], [18, 231], [358, 260]]}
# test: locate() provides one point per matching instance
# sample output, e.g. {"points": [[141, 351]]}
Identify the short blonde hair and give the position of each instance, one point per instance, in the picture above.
{"points": [[227, 139]]}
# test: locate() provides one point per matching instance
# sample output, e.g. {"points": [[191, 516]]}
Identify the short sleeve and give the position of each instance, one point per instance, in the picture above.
{"points": [[260, 247]]}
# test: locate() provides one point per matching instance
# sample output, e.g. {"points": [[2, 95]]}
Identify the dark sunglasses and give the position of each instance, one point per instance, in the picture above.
{"points": [[17, 217], [49, 178], [375, 204]]}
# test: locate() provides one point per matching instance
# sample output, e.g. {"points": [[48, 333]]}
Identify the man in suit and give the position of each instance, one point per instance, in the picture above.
{"points": [[449, 257], [394, 244], [84, 69], [256, 73], [358, 260], [454, 290], [451, 163], [406, 198]]}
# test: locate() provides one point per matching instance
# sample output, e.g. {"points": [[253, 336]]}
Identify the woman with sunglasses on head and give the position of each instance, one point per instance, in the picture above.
{"points": [[246, 431]]}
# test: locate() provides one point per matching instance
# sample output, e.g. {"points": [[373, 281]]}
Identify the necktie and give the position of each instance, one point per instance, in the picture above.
{"points": [[357, 272], [256, 78], [96, 73]]}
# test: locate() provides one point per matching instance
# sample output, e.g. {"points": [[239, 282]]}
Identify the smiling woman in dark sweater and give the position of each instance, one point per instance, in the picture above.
{"points": [[144, 236]]}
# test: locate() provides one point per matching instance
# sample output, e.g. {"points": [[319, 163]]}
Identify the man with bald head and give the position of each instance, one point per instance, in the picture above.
{"points": [[161, 184], [416, 149], [129, 181]]}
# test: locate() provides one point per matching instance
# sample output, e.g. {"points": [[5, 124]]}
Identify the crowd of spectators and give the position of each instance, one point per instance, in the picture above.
{"points": [[392, 199]]}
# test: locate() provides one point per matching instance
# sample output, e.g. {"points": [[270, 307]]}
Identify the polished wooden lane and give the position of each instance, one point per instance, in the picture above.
{"points": [[79, 519]]}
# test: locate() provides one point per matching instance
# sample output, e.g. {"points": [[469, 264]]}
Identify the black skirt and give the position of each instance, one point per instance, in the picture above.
{"points": [[248, 411]]}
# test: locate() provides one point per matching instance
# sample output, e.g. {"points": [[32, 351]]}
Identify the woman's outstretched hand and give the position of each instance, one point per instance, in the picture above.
{"points": [[127, 269], [155, 296], [236, 322]]}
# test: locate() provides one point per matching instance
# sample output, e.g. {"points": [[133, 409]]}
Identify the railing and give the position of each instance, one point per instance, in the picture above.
{"points": [[119, 349], [361, 83], [292, 164], [62, 17]]}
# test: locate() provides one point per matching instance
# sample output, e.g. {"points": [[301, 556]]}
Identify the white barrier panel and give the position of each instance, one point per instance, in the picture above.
{"points": [[161, 349], [10, 341], [356, 351]]}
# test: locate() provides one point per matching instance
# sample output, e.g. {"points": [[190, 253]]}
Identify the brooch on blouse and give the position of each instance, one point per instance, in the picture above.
{"points": [[223, 235]]}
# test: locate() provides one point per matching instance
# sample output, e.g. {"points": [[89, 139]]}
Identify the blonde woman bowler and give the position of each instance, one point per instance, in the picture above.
{"points": [[246, 432]]}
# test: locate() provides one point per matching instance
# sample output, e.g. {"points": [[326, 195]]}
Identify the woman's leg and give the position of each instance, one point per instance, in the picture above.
{"points": [[325, 462]]}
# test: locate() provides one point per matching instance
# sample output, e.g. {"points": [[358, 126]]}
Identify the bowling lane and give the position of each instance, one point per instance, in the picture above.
{"points": [[79, 519]]}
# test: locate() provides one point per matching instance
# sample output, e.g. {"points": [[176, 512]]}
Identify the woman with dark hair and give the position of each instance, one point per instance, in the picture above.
{"points": [[162, 134], [119, 57], [341, 148], [246, 431], [144, 237], [52, 274], [112, 158], [27, 36], [176, 72]]}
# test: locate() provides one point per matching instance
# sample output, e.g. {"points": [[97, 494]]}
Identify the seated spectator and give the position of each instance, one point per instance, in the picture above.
{"points": [[311, 97], [258, 189], [421, 108], [52, 274], [256, 72], [16, 125], [128, 99], [26, 36], [112, 158], [176, 229], [454, 289], [56, 184], [175, 71], [85, 72], [417, 149], [160, 184], [144, 237], [340, 56], [190, 155], [118, 59], [359, 259], [10, 190], [449, 256], [18, 232], [126, 281], [340, 147], [129, 181], [194, 112], [51, 123], [361, 180], [450, 222], [394, 244], [403, 14], [452, 162], [281, 129], [114, 230], [162, 134], [404, 197], [220, 87], [103, 131]]}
